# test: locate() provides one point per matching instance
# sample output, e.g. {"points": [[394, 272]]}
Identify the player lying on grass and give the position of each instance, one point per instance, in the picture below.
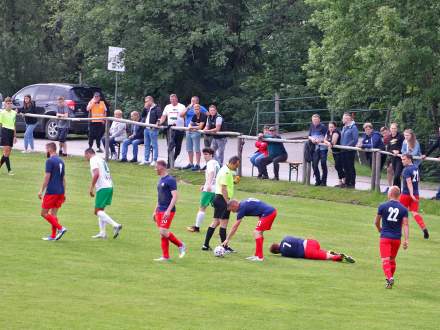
{"points": [[103, 185], [254, 208], [393, 215], [294, 247], [53, 188], [165, 211]]}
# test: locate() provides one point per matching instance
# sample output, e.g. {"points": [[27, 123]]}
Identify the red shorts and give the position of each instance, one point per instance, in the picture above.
{"points": [[160, 222], [409, 203], [53, 201], [265, 223], [389, 247]]}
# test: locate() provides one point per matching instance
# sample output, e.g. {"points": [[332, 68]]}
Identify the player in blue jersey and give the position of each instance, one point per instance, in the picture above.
{"points": [[53, 189], [410, 191], [254, 208], [295, 247], [393, 215]]}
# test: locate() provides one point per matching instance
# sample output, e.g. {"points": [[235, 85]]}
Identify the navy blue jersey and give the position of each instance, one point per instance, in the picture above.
{"points": [[252, 207], [55, 166], [292, 247], [392, 214], [166, 185], [411, 171]]}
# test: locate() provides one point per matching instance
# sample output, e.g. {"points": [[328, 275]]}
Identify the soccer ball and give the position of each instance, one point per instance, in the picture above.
{"points": [[219, 251]]}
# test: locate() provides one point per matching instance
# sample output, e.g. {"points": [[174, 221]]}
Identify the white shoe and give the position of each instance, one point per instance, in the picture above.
{"points": [[153, 163], [162, 259], [144, 163], [182, 251], [24, 152], [254, 258], [100, 236]]}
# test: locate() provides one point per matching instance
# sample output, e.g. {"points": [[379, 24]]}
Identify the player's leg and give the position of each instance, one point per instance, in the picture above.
{"points": [[199, 219], [5, 159], [209, 232], [61, 230], [385, 254], [259, 240], [44, 213], [103, 199], [263, 224], [313, 251]]}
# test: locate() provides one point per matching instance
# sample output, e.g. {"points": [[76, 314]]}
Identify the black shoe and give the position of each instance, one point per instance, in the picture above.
{"points": [[324, 184], [206, 248], [275, 179], [349, 187], [123, 160], [60, 153], [264, 177], [99, 150], [203, 168], [193, 229], [425, 233], [318, 183], [133, 160], [188, 167], [228, 250], [389, 283], [116, 231], [64, 155]]}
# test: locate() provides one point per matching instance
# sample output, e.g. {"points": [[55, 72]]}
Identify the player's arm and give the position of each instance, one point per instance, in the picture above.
{"points": [[172, 204], [210, 180], [44, 186], [410, 187], [95, 178], [225, 193], [232, 232], [377, 222], [405, 232]]}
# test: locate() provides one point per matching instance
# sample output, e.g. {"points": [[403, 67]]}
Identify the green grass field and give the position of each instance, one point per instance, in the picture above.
{"points": [[78, 283]]}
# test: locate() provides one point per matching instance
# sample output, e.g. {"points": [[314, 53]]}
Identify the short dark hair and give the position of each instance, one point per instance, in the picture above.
{"points": [[162, 163], [409, 156], [52, 146], [89, 151], [234, 160], [208, 151]]}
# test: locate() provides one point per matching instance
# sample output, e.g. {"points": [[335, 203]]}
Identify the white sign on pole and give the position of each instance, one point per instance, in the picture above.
{"points": [[116, 59]]}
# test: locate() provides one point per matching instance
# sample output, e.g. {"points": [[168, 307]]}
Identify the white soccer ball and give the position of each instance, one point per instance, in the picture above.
{"points": [[219, 251]]}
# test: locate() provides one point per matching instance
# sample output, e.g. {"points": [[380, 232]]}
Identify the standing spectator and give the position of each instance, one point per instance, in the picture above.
{"points": [[317, 133], [172, 113], [430, 151], [152, 113], [193, 136], [349, 137], [277, 154], [261, 149], [411, 146], [372, 140], [117, 132], [63, 125], [136, 138], [333, 138], [31, 123], [8, 133], [215, 124], [386, 138], [97, 110], [394, 146], [188, 115]]}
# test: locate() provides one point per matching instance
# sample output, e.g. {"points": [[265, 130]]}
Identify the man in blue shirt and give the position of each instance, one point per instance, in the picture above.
{"points": [[317, 134], [165, 210], [349, 137], [393, 215], [295, 247], [254, 208], [276, 155], [53, 189]]}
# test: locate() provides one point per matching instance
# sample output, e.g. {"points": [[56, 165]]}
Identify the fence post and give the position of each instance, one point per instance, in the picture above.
{"points": [[258, 119], [277, 111], [240, 144], [378, 169], [373, 171], [170, 151], [107, 140], [306, 167]]}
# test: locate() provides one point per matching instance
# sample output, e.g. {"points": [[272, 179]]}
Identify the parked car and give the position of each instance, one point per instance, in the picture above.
{"points": [[45, 97]]}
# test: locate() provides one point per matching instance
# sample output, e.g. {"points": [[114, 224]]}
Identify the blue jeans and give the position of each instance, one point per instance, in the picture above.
{"points": [[135, 144], [438, 194], [256, 157], [29, 136], [150, 139]]}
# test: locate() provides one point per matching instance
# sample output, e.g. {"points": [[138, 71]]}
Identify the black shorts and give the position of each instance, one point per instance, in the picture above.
{"points": [[7, 137], [62, 134], [220, 208]]}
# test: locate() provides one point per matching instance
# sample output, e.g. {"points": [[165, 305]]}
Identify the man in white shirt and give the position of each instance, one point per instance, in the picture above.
{"points": [[173, 115], [103, 185], [208, 189]]}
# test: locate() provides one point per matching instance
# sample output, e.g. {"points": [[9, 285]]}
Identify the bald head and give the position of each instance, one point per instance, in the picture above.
{"points": [[233, 205], [394, 193]]}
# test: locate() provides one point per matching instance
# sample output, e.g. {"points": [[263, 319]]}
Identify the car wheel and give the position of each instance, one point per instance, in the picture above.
{"points": [[51, 129]]}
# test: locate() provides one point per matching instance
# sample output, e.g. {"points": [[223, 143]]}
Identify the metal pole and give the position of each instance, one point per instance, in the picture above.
{"points": [[304, 180], [107, 140], [277, 111], [170, 151], [240, 144], [378, 169], [373, 171], [258, 118], [116, 90]]}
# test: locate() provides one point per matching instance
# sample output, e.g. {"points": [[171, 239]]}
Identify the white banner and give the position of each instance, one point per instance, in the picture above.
{"points": [[116, 59]]}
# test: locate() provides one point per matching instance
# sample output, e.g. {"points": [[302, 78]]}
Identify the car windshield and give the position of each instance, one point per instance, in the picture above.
{"points": [[85, 93]]}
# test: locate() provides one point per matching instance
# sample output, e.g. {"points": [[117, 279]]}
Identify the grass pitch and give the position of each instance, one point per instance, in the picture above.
{"points": [[79, 283]]}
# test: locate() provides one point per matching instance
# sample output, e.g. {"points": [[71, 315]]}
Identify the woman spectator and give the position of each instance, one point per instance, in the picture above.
{"points": [[411, 146], [117, 132], [31, 123], [333, 138], [261, 149], [395, 146], [386, 137], [372, 140], [196, 124], [8, 137]]}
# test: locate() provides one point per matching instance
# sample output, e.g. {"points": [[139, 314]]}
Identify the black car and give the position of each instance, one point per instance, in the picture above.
{"points": [[45, 97]]}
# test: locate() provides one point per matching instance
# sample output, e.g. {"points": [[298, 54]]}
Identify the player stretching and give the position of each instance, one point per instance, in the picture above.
{"points": [[207, 195], [294, 247], [393, 215], [224, 191], [103, 185], [410, 191], [254, 208], [53, 188], [165, 210]]}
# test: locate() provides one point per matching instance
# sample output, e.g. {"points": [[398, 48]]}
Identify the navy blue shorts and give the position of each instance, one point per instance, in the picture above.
{"points": [[62, 134]]}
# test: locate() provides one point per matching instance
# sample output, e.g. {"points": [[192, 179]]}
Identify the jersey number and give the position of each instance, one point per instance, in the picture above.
{"points": [[286, 244], [393, 214], [61, 169], [416, 176]]}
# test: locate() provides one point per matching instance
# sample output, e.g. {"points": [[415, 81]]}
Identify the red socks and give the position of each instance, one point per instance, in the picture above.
{"points": [[165, 243], [393, 266], [53, 220], [174, 239], [419, 221], [387, 268], [259, 247]]}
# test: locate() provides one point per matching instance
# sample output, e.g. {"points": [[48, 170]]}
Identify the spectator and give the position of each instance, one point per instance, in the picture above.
{"points": [[97, 110], [371, 140], [117, 134], [261, 149], [411, 146], [135, 138], [172, 113], [31, 123], [151, 114], [215, 124], [349, 137], [188, 115], [317, 132], [394, 146], [430, 151], [193, 136], [63, 111], [276, 155], [386, 138], [333, 138]]}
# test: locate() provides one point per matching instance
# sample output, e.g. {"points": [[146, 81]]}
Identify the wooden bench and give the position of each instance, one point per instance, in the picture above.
{"points": [[293, 166]]}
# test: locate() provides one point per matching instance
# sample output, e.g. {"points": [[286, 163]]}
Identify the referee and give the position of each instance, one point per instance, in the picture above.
{"points": [[224, 191], [8, 138]]}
